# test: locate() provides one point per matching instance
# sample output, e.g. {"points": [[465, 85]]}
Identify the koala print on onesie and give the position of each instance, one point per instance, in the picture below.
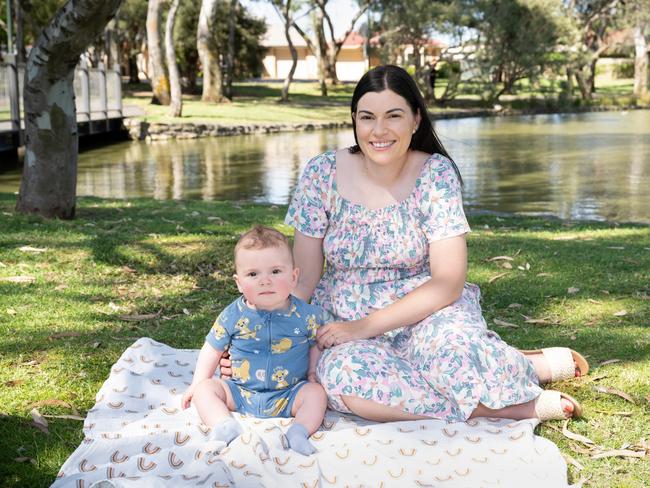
{"points": [[269, 352]]}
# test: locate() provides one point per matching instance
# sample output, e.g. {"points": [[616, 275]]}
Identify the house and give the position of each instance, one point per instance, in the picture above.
{"points": [[351, 64]]}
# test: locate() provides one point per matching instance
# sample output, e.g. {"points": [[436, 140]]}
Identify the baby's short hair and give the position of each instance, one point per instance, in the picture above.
{"points": [[261, 237]]}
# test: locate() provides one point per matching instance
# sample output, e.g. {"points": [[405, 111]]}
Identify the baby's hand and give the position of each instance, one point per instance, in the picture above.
{"points": [[187, 397]]}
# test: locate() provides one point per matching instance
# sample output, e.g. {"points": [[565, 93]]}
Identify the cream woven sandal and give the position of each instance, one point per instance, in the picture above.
{"points": [[562, 362], [548, 406]]}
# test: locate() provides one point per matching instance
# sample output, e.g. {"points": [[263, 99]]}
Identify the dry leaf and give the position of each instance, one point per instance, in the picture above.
{"points": [[609, 361], [565, 238], [496, 277], [619, 453], [572, 290], [113, 307], [501, 258], [138, 317], [597, 302], [60, 335], [61, 287], [618, 414], [186, 311], [570, 460], [39, 421], [11, 311], [68, 417], [32, 249], [19, 279], [25, 459], [506, 265], [127, 269], [515, 305], [615, 247], [54, 402], [539, 321], [12, 383], [573, 436], [539, 275], [614, 391], [96, 345], [521, 268], [503, 323], [620, 313]]}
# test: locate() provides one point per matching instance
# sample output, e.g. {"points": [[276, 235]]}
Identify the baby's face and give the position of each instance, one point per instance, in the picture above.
{"points": [[266, 277]]}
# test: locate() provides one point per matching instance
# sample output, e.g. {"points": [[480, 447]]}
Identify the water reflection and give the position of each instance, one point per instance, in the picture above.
{"points": [[587, 166]]}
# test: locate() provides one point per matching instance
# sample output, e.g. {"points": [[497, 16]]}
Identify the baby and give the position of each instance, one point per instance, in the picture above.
{"points": [[270, 335]]}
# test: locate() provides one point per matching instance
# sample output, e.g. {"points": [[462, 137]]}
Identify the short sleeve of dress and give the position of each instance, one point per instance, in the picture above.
{"points": [[221, 331], [441, 201], [309, 208]]}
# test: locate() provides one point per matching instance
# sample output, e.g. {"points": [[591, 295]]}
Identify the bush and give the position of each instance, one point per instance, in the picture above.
{"points": [[445, 69], [623, 70]]}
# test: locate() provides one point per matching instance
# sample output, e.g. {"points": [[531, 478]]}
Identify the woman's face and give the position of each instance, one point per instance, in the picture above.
{"points": [[385, 124]]}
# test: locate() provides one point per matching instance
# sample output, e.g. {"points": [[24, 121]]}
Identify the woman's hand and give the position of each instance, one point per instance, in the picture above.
{"points": [[336, 333]]}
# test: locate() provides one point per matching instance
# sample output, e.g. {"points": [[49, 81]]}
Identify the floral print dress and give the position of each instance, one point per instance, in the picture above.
{"points": [[444, 365]]}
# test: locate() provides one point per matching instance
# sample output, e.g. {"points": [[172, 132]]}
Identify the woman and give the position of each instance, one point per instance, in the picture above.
{"points": [[407, 340]]}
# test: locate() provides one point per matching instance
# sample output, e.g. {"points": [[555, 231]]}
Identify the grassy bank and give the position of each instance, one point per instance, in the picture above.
{"points": [[257, 103], [74, 295]]}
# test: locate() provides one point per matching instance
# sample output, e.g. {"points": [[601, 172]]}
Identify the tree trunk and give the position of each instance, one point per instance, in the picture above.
{"points": [[592, 76], [112, 49], [583, 84], [230, 72], [133, 69], [640, 62], [20, 33], [212, 77], [176, 107], [48, 184], [157, 75], [294, 54], [321, 49]]}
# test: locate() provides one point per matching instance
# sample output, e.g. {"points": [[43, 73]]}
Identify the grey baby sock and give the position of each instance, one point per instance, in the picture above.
{"points": [[298, 438], [226, 431]]}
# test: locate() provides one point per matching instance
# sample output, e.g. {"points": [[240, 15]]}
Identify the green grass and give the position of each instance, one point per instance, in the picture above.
{"points": [[258, 103], [60, 334]]}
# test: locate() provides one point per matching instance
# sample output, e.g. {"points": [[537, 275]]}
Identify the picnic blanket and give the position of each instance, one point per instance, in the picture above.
{"points": [[137, 435]]}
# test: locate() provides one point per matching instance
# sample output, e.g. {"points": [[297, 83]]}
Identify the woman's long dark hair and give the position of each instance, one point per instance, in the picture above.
{"points": [[396, 79]]}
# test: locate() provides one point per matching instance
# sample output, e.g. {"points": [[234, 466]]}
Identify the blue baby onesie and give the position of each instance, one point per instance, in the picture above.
{"points": [[269, 352]]}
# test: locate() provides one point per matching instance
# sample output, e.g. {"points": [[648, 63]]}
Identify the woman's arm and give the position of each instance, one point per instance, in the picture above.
{"points": [[448, 264], [308, 257]]}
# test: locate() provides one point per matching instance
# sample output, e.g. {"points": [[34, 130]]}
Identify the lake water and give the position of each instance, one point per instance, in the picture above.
{"points": [[581, 166]]}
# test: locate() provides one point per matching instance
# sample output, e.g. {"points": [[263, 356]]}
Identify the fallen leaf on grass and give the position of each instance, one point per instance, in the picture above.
{"points": [[616, 247], [515, 305], [597, 302], [539, 321], [619, 453], [506, 265], [647, 398], [19, 279], [96, 345], [127, 269], [618, 414], [11, 311], [609, 361], [565, 238], [540, 275], [570, 460], [572, 290], [39, 421], [579, 449], [138, 317], [54, 403], [25, 459], [496, 277], [60, 335], [67, 417], [32, 249], [573, 436], [12, 383], [614, 391], [620, 313], [503, 323], [61, 287], [501, 258]]}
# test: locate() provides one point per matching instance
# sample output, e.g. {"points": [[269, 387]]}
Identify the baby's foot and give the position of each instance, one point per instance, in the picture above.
{"points": [[298, 438], [226, 431]]}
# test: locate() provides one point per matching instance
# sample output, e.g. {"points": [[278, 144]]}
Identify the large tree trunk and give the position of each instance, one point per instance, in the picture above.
{"points": [[157, 75], [286, 14], [640, 62], [230, 71], [176, 108], [212, 77], [48, 184]]}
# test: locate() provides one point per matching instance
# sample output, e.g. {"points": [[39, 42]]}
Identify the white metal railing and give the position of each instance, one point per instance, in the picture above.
{"points": [[98, 93]]}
